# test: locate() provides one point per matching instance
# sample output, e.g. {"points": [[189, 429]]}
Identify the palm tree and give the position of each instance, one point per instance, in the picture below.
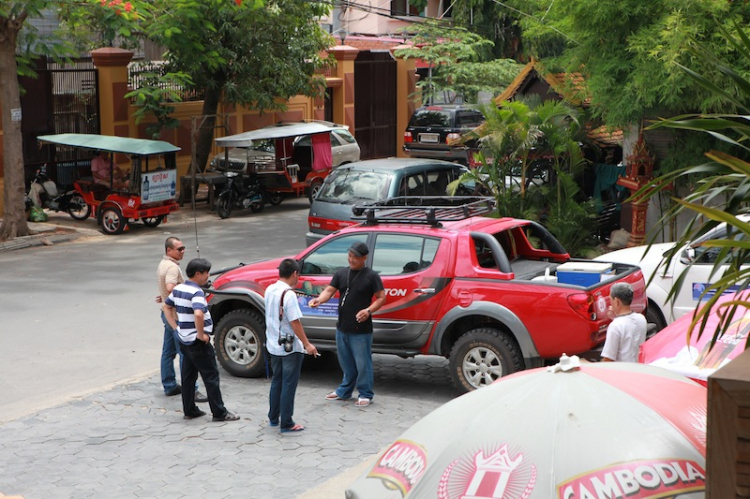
{"points": [[723, 191], [506, 140], [517, 135]]}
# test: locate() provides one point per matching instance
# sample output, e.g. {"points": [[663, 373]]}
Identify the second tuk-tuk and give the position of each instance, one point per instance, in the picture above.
{"points": [[148, 194], [286, 165]]}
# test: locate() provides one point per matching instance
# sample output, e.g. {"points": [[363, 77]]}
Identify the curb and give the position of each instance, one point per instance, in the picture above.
{"points": [[49, 234], [46, 235]]}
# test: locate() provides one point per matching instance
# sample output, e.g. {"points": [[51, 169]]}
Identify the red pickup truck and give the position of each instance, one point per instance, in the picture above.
{"points": [[489, 294]]}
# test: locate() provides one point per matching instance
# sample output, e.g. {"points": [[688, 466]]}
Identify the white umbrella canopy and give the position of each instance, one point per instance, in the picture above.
{"points": [[605, 430]]}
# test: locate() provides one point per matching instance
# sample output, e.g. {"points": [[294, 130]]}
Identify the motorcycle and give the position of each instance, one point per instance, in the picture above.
{"points": [[240, 192], [43, 193]]}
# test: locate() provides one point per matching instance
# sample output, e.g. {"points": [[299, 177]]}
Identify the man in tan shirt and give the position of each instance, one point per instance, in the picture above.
{"points": [[169, 275]]}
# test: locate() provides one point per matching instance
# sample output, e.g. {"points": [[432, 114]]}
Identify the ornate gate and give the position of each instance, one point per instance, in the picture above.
{"points": [[375, 110], [61, 99]]}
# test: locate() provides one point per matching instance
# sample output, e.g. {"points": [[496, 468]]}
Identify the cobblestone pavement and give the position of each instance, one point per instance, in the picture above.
{"points": [[131, 441]]}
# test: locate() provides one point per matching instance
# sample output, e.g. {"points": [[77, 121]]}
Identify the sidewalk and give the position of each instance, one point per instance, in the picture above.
{"points": [[131, 441], [61, 228], [47, 234]]}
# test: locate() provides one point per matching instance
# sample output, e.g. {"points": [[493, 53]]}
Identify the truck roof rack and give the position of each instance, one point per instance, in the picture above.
{"points": [[427, 210]]}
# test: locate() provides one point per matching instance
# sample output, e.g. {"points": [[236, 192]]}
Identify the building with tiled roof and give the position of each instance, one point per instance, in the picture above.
{"points": [[570, 87], [533, 80]]}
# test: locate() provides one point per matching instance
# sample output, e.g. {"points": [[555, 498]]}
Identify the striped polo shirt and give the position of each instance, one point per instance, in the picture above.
{"points": [[186, 298]]}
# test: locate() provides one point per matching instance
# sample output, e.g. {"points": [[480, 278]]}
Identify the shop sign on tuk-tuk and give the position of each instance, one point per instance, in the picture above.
{"points": [[158, 186]]}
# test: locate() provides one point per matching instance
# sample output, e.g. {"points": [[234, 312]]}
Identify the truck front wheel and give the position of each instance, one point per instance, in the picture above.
{"points": [[240, 336], [482, 356]]}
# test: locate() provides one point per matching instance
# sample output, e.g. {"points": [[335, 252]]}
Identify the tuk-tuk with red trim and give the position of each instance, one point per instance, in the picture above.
{"points": [[148, 196], [291, 169]]}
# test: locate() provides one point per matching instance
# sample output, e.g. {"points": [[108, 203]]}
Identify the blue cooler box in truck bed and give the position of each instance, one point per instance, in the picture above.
{"points": [[583, 273]]}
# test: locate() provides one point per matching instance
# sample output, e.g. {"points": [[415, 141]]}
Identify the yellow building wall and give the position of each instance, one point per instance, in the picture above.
{"points": [[117, 119]]}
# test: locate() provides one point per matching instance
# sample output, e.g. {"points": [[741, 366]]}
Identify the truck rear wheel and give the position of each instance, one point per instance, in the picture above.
{"points": [[482, 356], [240, 339]]}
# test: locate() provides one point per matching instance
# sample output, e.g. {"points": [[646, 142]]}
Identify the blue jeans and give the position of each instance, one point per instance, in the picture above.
{"points": [[355, 358], [169, 349], [286, 370]]}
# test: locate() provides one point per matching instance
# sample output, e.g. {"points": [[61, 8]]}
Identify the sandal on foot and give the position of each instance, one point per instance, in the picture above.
{"points": [[295, 428], [227, 417], [362, 402], [333, 396]]}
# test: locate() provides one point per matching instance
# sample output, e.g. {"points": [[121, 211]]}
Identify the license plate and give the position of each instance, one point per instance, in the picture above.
{"points": [[429, 138]]}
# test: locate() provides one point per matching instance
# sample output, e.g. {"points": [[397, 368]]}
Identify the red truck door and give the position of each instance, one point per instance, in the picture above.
{"points": [[412, 268]]}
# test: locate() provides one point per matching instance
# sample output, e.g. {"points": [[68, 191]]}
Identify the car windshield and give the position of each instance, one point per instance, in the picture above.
{"points": [[431, 117], [348, 185]]}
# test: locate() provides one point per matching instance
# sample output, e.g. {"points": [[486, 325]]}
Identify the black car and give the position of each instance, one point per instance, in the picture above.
{"points": [[431, 127]]}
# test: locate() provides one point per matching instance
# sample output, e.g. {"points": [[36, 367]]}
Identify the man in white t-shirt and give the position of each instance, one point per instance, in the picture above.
{"points": [[627, 330], [287, 345]]}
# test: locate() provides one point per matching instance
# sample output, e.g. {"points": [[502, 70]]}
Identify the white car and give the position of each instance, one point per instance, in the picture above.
{"points": [[344, 149], [694, 257]]}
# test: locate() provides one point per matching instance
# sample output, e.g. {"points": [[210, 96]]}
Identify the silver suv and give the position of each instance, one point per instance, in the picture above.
{"points": [[344, 149], [375, 180]]}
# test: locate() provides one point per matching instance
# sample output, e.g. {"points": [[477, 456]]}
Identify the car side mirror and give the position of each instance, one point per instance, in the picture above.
{"points": [[687, 256]]}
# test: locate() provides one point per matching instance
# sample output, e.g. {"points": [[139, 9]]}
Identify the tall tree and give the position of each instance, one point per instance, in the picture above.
{"points": [[458, 62], [19, 45], [246, 53], [493, 21], [627, 49], [12, 19], [723, 194]]}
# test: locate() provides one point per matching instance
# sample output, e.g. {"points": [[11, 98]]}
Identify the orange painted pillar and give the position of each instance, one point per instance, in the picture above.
{"points": [[343, 95], [114, 109], [406, 98]]}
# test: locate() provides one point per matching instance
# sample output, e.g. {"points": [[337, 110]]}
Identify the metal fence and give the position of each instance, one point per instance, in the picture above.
{"points": [[140, 73], [75, 104]]}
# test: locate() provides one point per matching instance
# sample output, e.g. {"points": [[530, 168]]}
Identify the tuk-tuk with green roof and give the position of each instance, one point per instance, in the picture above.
{"points": [[145, 192]]}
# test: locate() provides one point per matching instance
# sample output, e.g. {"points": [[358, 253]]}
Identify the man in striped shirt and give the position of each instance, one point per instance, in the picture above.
{"points": [[187, 312]]}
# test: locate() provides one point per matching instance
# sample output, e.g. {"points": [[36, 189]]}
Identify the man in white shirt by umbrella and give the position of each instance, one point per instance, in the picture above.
{"points": [[627, 330]]}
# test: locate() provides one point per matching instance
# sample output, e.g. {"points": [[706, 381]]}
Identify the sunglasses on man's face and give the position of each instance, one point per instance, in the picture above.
{"points": [[181, 248]]}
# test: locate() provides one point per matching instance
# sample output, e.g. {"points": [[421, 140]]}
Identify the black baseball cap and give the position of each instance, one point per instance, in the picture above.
{"points": [[359, 249]]}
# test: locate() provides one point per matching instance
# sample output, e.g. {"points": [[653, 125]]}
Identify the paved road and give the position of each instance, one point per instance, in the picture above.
{"points": [[83, 413], [131, 441], [81, 315]]}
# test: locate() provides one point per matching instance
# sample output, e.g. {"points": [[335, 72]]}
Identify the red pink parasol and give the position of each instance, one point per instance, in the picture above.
{"points": [[588, 431], [697, 359]]}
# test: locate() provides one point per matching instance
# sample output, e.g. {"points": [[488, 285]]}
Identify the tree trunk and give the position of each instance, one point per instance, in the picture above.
{"points": [[14, 217], [205, 138]]}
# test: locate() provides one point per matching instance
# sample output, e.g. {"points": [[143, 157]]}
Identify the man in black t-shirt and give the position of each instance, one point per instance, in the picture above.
{"points": [[357, 285]]}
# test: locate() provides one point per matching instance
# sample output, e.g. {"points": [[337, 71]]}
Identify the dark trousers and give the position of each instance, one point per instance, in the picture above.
{"points": [[286, 371], [201, 358]]}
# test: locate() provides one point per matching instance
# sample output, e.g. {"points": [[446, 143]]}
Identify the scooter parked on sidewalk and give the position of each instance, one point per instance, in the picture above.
{"points": [[241, 191], [43, 193]]}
